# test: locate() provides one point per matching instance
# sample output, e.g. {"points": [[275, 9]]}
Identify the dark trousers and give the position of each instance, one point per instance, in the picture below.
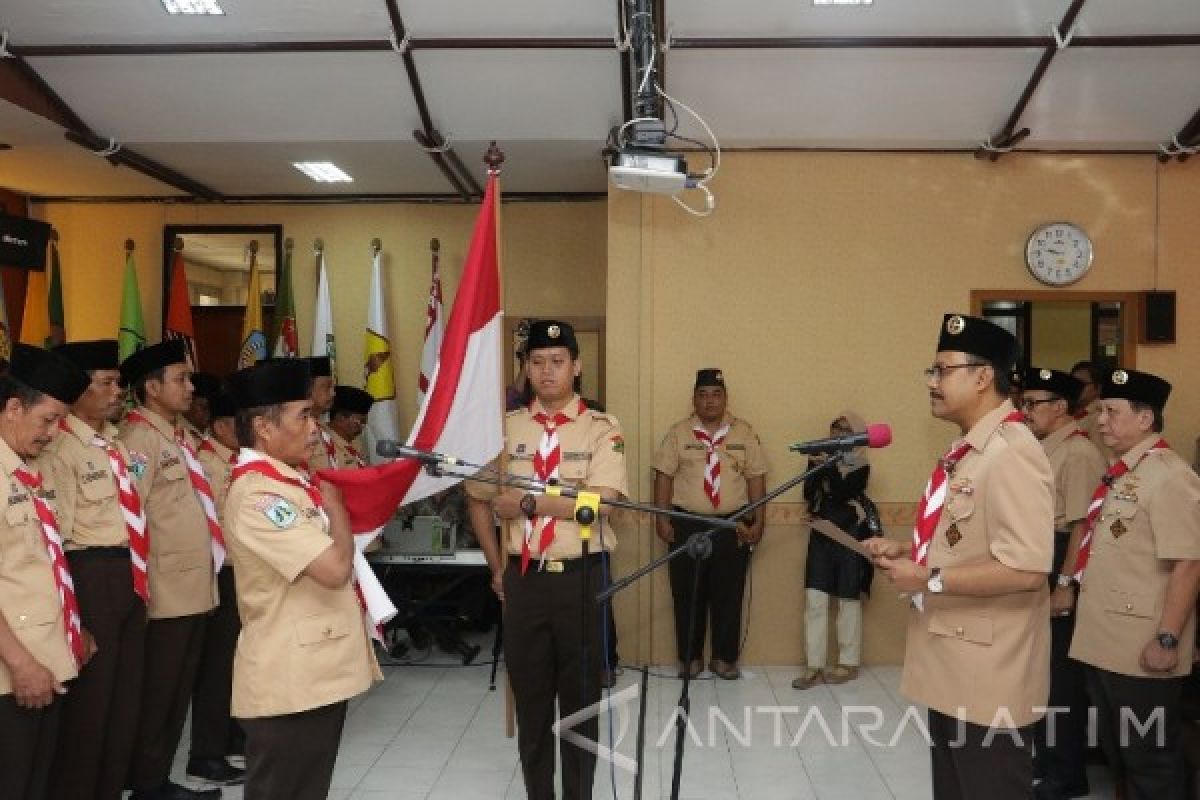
{"points": [[212, 727], [27, 741], [974, 762], [719, 600], [173, 648], [1151, 761], [100, 712], [544, 651], [291, 756]]}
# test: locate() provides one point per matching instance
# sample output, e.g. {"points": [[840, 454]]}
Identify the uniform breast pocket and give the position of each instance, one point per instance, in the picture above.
{"points": [[1132, 604], [183, 561], [734, 459], [174, 471], [965, 627], [99, 490], [573, 470], [23, 543]]}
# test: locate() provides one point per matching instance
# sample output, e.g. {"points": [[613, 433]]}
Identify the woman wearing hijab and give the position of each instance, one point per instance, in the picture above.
{"points": [[839, 496]]}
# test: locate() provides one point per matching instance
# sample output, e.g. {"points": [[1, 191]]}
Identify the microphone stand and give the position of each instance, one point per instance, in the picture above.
{"points": [[699, 547]]}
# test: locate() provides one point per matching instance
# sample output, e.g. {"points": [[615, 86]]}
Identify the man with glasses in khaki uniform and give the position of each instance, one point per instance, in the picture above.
{"points": [[1139, 566], [978, 649]]}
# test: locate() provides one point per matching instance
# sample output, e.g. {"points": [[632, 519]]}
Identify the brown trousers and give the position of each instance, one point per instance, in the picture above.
{"points": [[291, 756], [543, 648], [100, 712], [212, 727], [173, 648], [26, 749]]}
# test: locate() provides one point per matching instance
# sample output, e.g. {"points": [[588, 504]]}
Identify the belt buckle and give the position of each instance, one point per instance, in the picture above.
{"points": [[554, 566]]}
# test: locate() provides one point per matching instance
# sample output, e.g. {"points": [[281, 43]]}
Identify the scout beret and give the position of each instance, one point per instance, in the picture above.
{"points": [[551, 333], [709, 377], [1063, 384]]}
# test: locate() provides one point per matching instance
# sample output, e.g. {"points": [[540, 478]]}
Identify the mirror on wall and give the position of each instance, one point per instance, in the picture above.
{"points": [[1059, 329]]}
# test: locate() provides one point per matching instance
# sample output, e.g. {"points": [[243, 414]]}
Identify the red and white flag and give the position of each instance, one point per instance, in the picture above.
{"points": [[179, 309], [462, 412], [435, 323]]}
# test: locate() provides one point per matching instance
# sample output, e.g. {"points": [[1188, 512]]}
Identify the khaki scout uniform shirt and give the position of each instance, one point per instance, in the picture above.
{"points": [[344, 451], [1088, 424], [1078, 468], [987, 659], [320, 457], [194, 434], [1150, 518], [28, 593], [302, 646], [683, 457], [593, 457], [217, 467], [89, 509], [180, 566]]}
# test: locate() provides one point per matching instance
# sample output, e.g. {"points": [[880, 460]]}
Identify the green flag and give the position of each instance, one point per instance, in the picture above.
{"points": [[286, 344], [132, 336], [54, 305]]}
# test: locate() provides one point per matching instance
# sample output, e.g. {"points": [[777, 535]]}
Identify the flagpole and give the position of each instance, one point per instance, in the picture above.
{"points": [[494, 158]]}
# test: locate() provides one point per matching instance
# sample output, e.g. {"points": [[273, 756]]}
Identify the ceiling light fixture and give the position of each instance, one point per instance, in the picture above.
{"points": [[323, 171], [210, 7]]}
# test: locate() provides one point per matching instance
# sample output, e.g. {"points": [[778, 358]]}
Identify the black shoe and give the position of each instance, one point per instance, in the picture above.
{"points": [[206, 773], [173, 791]]}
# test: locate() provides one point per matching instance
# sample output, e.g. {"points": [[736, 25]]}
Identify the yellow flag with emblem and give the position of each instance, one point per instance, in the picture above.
{"points": [[378, 377]]}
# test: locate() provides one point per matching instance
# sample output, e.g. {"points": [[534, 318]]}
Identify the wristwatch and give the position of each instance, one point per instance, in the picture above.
{"points": [[934, 583], [1064, 581], [529, 505], [1167, 641]]}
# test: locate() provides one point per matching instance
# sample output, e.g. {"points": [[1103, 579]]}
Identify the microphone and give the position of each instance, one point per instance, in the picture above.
{"points": [[393, 449], [875, 436]]}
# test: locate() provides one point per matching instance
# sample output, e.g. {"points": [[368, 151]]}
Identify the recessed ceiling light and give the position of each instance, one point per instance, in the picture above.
{"points": [[842, 2], [323, 171], [193, 7]]}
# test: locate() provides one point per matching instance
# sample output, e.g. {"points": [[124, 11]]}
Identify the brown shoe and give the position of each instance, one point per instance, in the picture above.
{"points": [[724, 670], [694, 672], [808, 679], [840, 674]]}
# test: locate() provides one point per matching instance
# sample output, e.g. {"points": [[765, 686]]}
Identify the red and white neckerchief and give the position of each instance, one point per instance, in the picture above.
{"points": [[933, 501], [712, 463], [545, 468], [58, 561], [1114, 472], [134, 515], [330, 450], [357, 456], [249, 461]]}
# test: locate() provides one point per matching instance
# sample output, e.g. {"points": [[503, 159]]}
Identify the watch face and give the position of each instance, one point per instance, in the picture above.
{"points": [[1059, 253]]}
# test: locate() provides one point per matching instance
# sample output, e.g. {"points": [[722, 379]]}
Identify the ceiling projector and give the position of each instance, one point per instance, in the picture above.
{"points": [[643, 170]]}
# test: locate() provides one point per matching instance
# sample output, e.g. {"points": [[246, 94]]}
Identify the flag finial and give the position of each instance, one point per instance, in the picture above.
{"points": [[178, 244], [288, 244], [129, 245], [376, 245], [54, 235], [318, 246], [494, 157], [435, 245], [253, 246]]}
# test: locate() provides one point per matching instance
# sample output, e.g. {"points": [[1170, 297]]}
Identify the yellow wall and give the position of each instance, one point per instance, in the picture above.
{"points": [[553, 261], [819, 284], [1062, 334]]}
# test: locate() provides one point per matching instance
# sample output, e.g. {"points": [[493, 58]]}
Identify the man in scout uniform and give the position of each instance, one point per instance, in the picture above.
{"points": [[1049, 402], [1139, 566], [186, 550], [978, 649], [304, 650], [711, 463], [538, 566], [42, 641], [347, 418], [323, 394], [1087, 410], [103, 527], [199, 414], [214, 733]]}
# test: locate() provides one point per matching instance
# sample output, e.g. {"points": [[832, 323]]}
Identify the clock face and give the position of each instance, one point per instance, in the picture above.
{"points": [[1059, 253]]}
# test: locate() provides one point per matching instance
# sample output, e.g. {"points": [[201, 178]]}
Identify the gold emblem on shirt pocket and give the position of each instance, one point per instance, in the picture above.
{"points": [[966, 627], [1132, 604], [316, 629]]}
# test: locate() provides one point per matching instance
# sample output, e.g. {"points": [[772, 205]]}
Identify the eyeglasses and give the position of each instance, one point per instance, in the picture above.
{"points": [[937, 372], [1029, 405]]}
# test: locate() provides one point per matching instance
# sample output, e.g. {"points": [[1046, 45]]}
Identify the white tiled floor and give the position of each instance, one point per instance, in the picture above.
{"points": [[436, 732]]}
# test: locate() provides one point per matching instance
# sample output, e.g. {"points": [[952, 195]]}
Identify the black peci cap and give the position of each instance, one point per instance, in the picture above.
{"points": [[320, 366], [709, 377], [1063, 384], [148, 359], [1140, 387], [978, 337], [269, 383], [48, 373], [350, 399], [96, 354]]}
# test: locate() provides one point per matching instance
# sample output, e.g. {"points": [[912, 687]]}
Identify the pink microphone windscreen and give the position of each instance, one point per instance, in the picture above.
{"points": [[879, 434]]}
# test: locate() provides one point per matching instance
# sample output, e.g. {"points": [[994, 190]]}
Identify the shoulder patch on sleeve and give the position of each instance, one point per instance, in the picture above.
{"points": [[278, 511]]}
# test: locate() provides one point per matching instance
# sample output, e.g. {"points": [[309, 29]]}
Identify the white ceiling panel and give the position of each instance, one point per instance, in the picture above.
{"points": [[266, 168], [1116, 96], [882, 18], [1117, 17], [541, 166], [208, 98], [522, 94], [34, 22], [854, 98], [506, 18]]}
